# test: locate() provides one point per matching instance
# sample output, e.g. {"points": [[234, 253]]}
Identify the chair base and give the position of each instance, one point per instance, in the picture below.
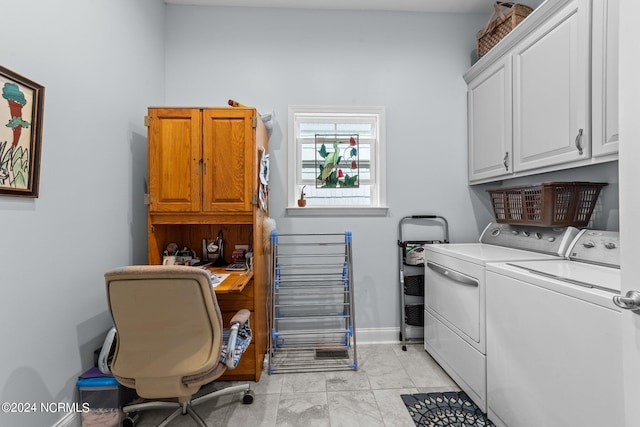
{"points": [[187, 407]]}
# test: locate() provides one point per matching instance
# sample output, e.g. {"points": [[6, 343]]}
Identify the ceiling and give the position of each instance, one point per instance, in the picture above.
{"points": [[434, 6]]}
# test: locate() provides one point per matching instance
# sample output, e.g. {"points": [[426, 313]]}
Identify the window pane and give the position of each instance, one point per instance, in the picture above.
{"points": [[362, 129], [309, 130], [360, 196], [313, 127]]}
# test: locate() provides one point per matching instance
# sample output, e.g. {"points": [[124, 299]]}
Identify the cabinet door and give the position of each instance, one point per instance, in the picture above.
{"points": [[550, 91], [490, 122], [227, 156], [175, 147], [605, 77]]}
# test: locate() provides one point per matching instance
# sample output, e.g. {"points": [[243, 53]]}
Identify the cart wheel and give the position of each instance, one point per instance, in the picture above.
{"points": [[404, 348], [247, 399]]}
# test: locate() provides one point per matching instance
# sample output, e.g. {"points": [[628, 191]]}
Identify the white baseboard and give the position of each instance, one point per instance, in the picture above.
{"points": [[72, 419]]}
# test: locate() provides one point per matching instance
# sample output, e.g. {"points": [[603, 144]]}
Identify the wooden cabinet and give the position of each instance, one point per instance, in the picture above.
{"points": [[605, 77], [228, 136], [203, 179], [200, 159], [550, 77], [490, 122], [175, 151]]}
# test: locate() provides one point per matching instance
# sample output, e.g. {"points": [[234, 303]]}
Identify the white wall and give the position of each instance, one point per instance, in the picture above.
{"points": [[410, 63], [101, 63]]}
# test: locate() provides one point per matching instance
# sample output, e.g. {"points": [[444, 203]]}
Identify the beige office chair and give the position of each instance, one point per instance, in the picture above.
{"points": [[169, 337]]}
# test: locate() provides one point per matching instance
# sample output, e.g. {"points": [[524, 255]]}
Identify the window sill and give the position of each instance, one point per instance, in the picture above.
{"points": [[337, 211]]}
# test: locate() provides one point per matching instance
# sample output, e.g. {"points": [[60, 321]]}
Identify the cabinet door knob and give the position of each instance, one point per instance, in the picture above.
{"points": [[504, 162], [631, 301], [579, 142]]}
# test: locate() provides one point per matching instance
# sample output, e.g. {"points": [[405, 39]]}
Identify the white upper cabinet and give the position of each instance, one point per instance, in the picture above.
{"points": [[490, 119], [550, 77], [605, 77], [545, 97]]}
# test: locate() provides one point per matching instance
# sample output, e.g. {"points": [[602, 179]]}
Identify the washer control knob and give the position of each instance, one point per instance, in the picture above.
{"points": [[589, 244], [525, 233], [514, 232], [538, 236], [551, 239], [610, 245], [495, 232]]}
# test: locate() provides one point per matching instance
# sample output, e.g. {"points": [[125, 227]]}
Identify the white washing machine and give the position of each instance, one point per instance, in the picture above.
{"points": [[554, 338], [455, 295]]}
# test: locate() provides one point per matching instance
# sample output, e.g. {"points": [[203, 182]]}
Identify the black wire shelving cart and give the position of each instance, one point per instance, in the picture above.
{"points": [[411, 261]]}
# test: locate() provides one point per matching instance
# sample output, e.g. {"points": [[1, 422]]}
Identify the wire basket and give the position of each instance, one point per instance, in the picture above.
{"points": [[414, 314], [414, 285], [550, 204], [500, 24]]}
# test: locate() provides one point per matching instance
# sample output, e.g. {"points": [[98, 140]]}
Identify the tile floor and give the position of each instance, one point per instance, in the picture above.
{"points": [[369, 397]]}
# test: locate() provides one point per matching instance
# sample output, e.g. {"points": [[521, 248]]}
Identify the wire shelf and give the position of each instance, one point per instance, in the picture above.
{"points": [[311, 303]]}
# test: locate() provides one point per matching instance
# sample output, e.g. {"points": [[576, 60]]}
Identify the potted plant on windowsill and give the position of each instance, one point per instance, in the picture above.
{"points": [[302, 202]]}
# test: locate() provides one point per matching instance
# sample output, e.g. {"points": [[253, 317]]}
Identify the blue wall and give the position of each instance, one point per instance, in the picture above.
{"points": [[410, 63], [101, 63]]}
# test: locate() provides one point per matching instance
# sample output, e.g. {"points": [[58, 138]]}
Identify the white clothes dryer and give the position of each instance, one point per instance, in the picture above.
{"points": [[455, 334]]}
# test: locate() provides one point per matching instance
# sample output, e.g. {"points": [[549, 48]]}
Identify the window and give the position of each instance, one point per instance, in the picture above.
{"points": [[352, 185]]}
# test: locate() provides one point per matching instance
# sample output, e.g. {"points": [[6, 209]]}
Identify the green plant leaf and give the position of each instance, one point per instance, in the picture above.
{"points": [[17, 156], [323, 151], [332, 180], [350, 181], [19, 181]]}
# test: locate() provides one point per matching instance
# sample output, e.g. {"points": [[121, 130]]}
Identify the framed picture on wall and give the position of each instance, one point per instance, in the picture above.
{"points": [[21, 110]]}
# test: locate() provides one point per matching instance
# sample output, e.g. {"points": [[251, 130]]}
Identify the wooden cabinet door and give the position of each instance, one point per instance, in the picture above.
{"points": [[550, 91], [227, 159], [490, 122], [175, 152]]}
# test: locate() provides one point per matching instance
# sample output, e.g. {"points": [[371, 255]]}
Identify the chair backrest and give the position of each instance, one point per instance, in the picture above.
{"points": [[168, 326]]}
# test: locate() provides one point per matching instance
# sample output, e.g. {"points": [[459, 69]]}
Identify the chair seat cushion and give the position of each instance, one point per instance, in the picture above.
{"points": [[242, 343]]}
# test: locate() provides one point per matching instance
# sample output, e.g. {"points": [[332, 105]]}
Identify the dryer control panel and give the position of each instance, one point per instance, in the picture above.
{"points": [[548, 240]]}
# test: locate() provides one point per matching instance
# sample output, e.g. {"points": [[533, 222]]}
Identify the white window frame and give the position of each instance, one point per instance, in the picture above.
{"points": [[378, 205]]}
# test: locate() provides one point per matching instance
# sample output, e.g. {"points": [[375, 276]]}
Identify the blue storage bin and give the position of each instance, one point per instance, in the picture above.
{"points": [[102, 399]]}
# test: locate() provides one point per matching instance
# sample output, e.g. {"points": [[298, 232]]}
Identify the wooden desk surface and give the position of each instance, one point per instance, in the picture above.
{"points": [[236, 281]]}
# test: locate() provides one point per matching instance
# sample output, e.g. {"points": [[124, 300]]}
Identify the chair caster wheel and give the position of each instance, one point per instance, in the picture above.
{"points": [[247, 399]]}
